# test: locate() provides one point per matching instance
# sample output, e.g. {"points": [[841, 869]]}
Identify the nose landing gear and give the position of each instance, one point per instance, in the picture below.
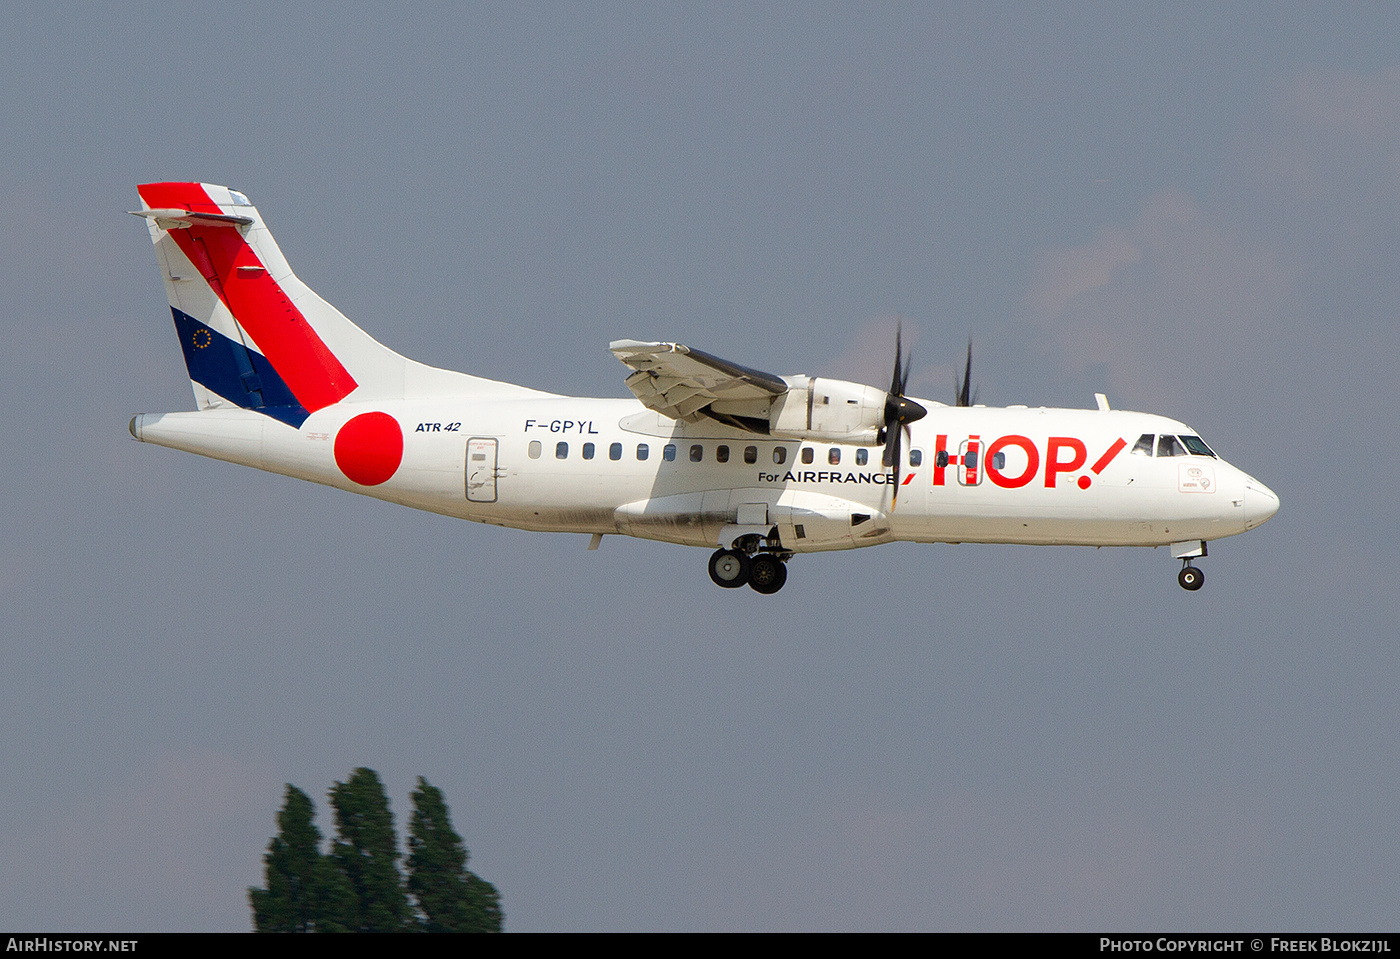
{"points": [[1190, 577]]}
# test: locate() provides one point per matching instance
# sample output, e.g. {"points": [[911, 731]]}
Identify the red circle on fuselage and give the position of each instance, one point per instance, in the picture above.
{"points": [[369, 448]]}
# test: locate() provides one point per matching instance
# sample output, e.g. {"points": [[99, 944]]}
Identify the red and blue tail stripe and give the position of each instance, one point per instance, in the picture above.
{"points": [[295, 373], [236, 373]]}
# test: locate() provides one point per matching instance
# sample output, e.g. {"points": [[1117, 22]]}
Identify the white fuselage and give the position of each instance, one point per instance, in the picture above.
{"points": [[707, 453], [604, 466]]}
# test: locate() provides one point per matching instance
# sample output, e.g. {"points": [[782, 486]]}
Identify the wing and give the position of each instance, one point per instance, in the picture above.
{"points": [[687, 384]]}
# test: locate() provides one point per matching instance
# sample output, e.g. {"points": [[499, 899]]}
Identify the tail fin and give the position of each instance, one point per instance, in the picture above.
{"points": [[253, 334]]}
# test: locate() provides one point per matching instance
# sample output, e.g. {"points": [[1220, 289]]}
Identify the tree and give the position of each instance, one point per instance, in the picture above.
{"points": [[305, 892], [357, 887], [366, 853], [450, 897]]}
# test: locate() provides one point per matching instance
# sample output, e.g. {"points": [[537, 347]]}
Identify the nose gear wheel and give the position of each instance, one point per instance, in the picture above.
{"points": [[1191, 578]]}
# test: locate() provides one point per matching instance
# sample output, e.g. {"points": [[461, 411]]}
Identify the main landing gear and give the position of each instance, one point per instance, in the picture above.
{"points": [[763, 572]]}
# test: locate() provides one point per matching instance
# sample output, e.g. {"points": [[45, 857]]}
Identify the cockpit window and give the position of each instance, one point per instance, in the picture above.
{"points": [[1167, 445], [1143, 447], [1197, 445]]}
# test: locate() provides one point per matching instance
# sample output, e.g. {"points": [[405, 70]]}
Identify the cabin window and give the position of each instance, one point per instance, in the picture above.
{"points": [[998, 461], [1167, 445], [588, 451], [561, 451], [779, 455], [535, 449], [668, 452], [721, 454], [1143, 447], [916, 457], [862, 457], [697, 453], [940, 459], [615, 451], [643, 451], [833, 456], [807, 455], [751, 454]]}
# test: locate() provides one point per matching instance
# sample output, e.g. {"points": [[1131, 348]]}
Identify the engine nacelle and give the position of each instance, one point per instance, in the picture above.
{"points": [[832, 411]]}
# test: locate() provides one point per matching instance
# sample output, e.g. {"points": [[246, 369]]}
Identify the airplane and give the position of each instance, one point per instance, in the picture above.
{"points": [[758, 468]]}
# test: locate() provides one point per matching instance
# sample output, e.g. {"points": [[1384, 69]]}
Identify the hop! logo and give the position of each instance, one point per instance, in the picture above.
{"points": [[1030, 456]]}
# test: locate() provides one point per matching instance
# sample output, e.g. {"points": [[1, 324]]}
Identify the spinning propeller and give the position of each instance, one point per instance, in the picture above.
{"points": [[963, 384], [900, 411]]}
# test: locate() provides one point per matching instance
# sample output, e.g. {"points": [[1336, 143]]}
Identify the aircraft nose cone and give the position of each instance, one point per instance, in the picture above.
{"points": [[1260, 503]]}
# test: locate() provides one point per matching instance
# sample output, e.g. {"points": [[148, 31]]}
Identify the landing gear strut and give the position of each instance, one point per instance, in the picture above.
{"points": [[765, 572], [1190, 576]]}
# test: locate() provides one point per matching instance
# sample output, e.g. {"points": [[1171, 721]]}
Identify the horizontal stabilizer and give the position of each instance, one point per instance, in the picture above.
{"points": [[174, 219]]}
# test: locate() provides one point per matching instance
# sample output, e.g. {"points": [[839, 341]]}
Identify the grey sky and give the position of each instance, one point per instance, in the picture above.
{"points": [[1192, 210]]}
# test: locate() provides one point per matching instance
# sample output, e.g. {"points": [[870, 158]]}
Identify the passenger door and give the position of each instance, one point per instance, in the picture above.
{"points": [[481, 469]]}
